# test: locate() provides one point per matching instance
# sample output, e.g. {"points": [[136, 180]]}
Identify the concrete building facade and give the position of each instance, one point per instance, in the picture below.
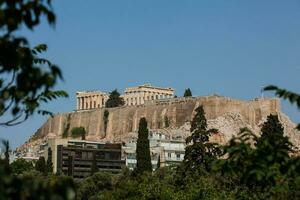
{"points": [[140, 94], [81, 159], [90, 100], [77, 157]]}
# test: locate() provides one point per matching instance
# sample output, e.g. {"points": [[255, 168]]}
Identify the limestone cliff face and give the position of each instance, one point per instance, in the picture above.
{"points": [[223, 113], [124, 120]]}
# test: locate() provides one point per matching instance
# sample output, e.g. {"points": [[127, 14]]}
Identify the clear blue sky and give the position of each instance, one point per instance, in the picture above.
{"points": [[231, 48]]}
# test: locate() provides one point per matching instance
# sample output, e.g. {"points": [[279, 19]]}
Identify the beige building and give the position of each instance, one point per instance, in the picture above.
{"points": [[138, 95], [91, 100]]}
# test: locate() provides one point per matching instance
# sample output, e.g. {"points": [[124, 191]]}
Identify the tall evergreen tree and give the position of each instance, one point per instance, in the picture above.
{"points": [[264, 166], [187, 93], [94, 167], [272, 143], [49, 161], [199, 151], [105, 120], [40, 165], [158, 162], [114, 100], [143, 148]]}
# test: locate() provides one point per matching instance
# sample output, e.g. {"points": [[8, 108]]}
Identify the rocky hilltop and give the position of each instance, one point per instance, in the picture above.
{"points": [[171, 116]]}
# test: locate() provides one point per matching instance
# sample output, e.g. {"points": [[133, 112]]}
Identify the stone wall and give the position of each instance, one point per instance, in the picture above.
{"points": [[124, 120]]}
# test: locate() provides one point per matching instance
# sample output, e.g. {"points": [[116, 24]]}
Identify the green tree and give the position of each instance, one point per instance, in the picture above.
{"points": [[49, 164], [40, 165], [105, 120], [158, 162], [78, 132], [92, 186], [26, 79], [266, 167], [114, 100], [143, 149], [187, 93], [199, 151], [20, 166], [272, 136], [272, 151], [94, 167]]}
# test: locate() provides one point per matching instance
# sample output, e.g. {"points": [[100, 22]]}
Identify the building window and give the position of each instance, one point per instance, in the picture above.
{"points": [[169, 155], [178, 156]]}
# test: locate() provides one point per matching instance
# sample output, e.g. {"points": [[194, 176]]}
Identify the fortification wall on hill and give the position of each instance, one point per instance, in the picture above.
{"points": [[177, 111]]}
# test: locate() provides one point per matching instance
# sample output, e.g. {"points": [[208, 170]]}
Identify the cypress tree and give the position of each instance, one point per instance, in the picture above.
{"points": [[199, 151], [114, 100], [187, 93], [272, 126], [158, 162], [105, 120], [40, 165], [272, 143], [94, 167], [142, 148], [49, 161]]}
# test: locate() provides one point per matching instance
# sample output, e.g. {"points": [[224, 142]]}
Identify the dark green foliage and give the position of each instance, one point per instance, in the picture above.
{"points": [[167, 121], [142, 149], [20, 166], [158, 162], [26, 79], [94, 165], [294, 98], [268, 168], [105, 119], [272, 142], [199, 151], [49, 164], [187, 93], [78, 132], [161, 186], [31, 186], [93, 186], [114, 100], [40, 165]]}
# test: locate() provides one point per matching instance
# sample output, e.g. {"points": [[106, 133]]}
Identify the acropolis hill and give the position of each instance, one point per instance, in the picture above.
{"points": [[225, 114]]}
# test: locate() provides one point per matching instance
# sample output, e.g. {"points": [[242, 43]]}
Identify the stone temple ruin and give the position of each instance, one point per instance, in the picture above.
{"points": [[132, 96]]}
